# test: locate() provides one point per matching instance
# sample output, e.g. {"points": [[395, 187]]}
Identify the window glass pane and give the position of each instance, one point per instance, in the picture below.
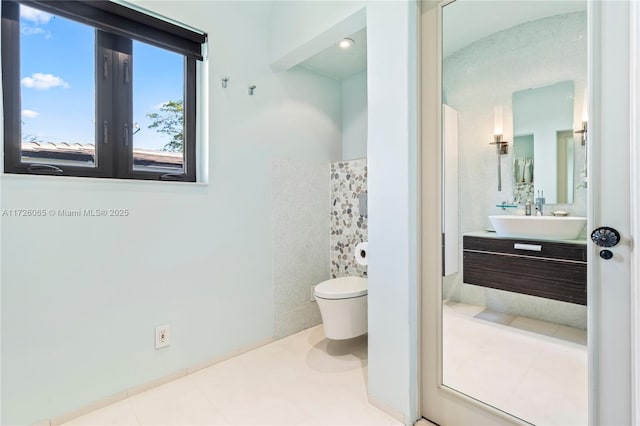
{"points": [[57, 82], [158, 115]]}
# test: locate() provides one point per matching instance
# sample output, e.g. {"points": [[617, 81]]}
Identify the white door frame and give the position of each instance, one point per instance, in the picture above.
{"points": [[635, 207], [614, 359], [611, 306], [438, 403]]}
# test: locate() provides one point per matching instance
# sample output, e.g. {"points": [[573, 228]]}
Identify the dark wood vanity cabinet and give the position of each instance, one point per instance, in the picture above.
{"points": [[549, 269]]}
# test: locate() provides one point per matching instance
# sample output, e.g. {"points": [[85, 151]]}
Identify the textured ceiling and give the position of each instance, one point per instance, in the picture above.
{"points": [[466, 21]]}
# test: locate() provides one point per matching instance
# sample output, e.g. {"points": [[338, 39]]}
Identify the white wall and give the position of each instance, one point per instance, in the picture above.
{"points": [[354, 116], [81, 296], [392, 171], [393, 206], [450, 189]]}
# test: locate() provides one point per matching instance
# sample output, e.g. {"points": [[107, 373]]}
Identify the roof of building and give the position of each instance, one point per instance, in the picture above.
{"points": [[86, 153]]}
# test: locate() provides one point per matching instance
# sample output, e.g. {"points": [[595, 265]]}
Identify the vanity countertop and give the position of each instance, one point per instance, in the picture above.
{"points": [[492, 234]]}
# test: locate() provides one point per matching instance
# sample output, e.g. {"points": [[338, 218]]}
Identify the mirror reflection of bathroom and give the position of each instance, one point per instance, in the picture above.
{"points": [[514, 287], [340, 287], [542, 129]]}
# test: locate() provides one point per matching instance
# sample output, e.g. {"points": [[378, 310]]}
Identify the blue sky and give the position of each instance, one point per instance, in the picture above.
{"points": [[57, 81]]}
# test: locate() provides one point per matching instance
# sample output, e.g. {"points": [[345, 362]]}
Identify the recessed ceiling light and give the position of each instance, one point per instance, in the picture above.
{"points": [[346, 43]]}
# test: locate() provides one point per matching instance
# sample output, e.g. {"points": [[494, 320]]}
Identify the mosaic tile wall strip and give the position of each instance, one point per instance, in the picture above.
{"points": [[300, 226], [348, 226]]}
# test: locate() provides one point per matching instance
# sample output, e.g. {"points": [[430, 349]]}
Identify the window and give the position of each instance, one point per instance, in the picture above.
{"points": [[93, 88]]}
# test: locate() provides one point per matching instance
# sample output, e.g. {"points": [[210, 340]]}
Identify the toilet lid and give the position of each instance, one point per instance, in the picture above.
{"points": [[342, 288]]}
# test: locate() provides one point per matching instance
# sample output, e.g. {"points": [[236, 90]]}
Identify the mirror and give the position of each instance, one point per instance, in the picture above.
{"points": [[543, 149], [505, 342]]}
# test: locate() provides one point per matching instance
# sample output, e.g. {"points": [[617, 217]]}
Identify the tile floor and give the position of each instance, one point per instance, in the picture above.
{"points": [[303, 379], [532, 369]]}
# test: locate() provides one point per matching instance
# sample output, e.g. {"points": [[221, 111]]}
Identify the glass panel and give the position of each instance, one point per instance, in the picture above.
{"points": [[514, 313], [158, 114], [544, 115], [57, 88]]}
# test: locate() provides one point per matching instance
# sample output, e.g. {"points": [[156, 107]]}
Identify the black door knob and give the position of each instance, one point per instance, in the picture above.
{"points": [[605, 236], [606, 254]]}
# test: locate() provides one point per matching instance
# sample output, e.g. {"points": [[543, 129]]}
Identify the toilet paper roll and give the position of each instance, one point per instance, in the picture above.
{"points": [[361, 253]]}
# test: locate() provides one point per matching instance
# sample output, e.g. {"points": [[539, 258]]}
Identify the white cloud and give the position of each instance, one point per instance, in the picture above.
{"points": [[34, 15], [42, 81], [28, 30], [28, 113]]}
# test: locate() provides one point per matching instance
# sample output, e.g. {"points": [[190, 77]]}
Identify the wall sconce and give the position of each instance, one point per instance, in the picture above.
{"points": [[585, 118], [583, 133], [502, 146]]}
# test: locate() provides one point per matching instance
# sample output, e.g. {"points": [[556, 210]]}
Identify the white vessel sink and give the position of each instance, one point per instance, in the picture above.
{"points": [[538, 227]]}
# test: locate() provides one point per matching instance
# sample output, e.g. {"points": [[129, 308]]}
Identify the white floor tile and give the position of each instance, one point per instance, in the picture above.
{"points": [[303, 379], [424, 422], [535, 326], [554, 391], [497, 317], [532, 369], [121, 413], [191, 408], [464, 309]]}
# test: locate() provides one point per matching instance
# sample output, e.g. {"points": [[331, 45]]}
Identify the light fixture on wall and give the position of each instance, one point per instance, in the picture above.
{"points": [[585, 118], [502, 146], [583, 133], [346, 43]]}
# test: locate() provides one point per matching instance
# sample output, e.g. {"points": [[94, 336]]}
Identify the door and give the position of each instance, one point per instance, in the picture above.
{"points": [[609, 189]]}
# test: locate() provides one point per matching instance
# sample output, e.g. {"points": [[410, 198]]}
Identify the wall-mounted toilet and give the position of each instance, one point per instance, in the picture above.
{"points": [[343, 307]]}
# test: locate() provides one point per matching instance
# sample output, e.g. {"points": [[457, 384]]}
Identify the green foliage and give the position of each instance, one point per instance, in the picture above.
{"points": [[170, 121]]}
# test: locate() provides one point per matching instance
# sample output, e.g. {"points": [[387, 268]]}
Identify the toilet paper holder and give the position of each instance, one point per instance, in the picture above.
{"points": [[360, 253]]}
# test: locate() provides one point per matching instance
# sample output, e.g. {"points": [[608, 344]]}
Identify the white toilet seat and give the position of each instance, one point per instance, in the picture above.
{"points": [[342, 288]]}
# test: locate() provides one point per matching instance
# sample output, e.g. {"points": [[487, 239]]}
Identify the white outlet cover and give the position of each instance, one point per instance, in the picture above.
{"points": [[163, 336]]}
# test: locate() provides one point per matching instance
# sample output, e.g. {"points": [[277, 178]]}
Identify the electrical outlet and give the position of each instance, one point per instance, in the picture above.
{"points": [[312, 297], [163, 336]]}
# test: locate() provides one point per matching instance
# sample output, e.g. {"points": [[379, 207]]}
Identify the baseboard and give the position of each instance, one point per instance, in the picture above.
{"points": [[101, 403], [155, 383], [96, 405], [240, 351]]}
